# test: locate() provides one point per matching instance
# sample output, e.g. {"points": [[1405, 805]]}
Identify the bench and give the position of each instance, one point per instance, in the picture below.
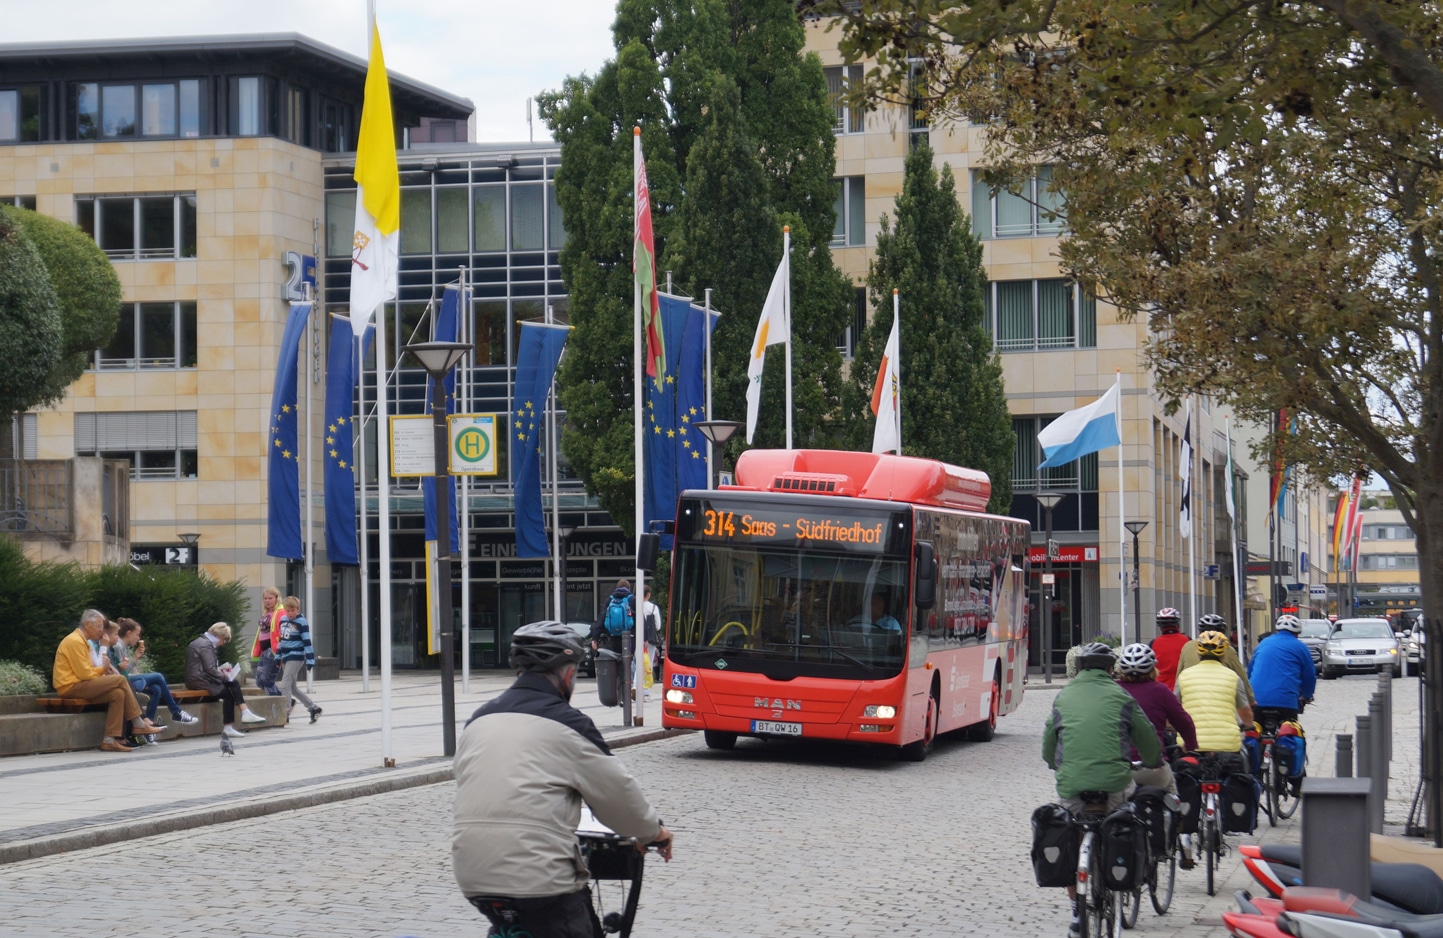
{"points": [[79, 705], [59, 724]]}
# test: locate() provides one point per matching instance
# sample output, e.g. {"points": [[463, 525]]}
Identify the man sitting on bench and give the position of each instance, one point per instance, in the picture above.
{"points": [[77, 675], [202, 672]]}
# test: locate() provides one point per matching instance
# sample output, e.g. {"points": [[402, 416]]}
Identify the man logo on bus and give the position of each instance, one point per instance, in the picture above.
{"points": [[776, 703]]}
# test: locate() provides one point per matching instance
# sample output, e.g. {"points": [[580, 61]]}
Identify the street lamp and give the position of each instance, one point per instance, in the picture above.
{"points": [[717, 433], [190, 540], [438, 358], [1136, 528], [1049, 501], [564, 534]]}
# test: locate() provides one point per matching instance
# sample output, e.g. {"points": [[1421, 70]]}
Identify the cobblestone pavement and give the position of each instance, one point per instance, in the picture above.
{"points": [[772, 839]]}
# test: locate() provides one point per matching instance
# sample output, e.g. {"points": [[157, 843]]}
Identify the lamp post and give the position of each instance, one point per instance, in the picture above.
{"points": [[565, 538], [1136, 528], [1049, 501], [438, 358], [717, 433], [190, 540]]}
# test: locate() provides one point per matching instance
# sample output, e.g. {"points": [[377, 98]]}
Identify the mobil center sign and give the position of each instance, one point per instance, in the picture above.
{"points": [[472, 449]]}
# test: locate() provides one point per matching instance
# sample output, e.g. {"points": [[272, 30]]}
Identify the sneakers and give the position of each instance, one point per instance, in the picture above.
{"points": [[232, 732], [184, 717], [315, 714], [250, 716], [150, 740], [1074, 929]]}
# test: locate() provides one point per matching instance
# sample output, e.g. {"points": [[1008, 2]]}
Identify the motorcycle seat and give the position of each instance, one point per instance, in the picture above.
{"points": [[1410, 886]]}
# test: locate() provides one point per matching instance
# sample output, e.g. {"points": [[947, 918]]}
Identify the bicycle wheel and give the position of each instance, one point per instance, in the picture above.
{"points": [[1099, 913], [1280, 792], [1267, 770], [1210, 847], [1129, 904], [1162, 878]]}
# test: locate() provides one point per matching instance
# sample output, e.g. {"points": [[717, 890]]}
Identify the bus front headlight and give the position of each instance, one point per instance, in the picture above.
{"points": [[678, 696], [881, 711]]}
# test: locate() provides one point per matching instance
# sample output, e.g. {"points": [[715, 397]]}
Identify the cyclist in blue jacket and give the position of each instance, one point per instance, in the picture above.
{"points": [[1281, 670]]}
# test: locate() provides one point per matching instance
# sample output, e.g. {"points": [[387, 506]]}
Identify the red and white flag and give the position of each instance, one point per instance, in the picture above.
{"points": [[887, 393]]}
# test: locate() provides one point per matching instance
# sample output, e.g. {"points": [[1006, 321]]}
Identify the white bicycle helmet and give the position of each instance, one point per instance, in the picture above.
{"points": [[1097, 655], [1137, 659], [1288, 623], [1169, 619]]}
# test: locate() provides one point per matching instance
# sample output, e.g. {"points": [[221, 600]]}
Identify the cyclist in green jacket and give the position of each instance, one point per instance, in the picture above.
{"points": [[1089, 736]]}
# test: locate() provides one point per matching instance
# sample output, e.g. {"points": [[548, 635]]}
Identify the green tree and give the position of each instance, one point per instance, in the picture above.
{"points": [[954, 407], [736, 127], [31, 333]]}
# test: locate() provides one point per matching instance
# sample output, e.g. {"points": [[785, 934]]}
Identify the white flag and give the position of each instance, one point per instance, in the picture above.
{"points": [[774, 328], [1232, 508], [375, 244], [1184, 521], [886, 396]]}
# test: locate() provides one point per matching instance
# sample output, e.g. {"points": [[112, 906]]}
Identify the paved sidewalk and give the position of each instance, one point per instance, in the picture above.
{"points": [[57, 802]]}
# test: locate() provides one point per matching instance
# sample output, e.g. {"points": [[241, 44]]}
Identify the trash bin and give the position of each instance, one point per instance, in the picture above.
{"points": [[608, 663]]}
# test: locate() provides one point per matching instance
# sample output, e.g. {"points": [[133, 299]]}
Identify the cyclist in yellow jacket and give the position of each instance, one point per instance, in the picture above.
{"points": [[1214, 696]]}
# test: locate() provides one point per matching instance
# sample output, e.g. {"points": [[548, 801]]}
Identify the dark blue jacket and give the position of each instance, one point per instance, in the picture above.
{"points": [[1281, 671], [296, 641]]}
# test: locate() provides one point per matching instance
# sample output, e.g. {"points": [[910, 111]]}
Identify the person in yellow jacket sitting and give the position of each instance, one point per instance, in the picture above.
{"points": [[1214, 696], [76, 674]]}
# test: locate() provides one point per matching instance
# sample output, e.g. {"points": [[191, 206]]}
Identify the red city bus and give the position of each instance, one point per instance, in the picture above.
{"points": [[848, 596]]}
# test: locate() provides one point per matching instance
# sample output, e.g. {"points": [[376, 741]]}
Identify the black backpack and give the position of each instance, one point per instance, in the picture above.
{"points": [[1054, 846], [1124, 848]]}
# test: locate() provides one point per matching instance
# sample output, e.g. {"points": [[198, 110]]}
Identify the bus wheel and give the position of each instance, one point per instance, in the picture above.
{"points": [[718, 740], [917, 752], [984, 731]]}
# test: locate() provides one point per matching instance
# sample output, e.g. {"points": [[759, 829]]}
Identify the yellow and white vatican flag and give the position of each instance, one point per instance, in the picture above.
{"points": [[887, 392], [775, 328], [375, 244]]}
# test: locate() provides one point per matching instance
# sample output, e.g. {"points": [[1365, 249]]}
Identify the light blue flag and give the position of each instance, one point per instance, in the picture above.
{"points": [[1082, 431]]}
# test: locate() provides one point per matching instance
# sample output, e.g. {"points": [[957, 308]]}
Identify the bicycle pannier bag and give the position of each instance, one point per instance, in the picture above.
{"points": [[1189, 792], [1054, 846], [1124, 850], [1239, 803], [1291, 749], [1252, 749], [1153, 810]]}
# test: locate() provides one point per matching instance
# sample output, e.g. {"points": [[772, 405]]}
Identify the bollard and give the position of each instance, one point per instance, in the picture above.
{"points": [[1385, 698], [1343, 756], [1335, 834], [1380, 760], [1363, 736]]}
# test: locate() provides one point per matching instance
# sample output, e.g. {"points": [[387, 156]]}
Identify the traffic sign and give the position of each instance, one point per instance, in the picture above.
{"points": [[1317, 591], [473, 444], [1054, 550], [1049, 579]]}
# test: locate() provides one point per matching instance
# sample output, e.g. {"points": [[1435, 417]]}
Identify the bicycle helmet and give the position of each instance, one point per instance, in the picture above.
{"points": [[1212, 644], [1169, 619], [1095, 655], [1212, 622], [1137, 659], [545, 646], [1288, 623]]}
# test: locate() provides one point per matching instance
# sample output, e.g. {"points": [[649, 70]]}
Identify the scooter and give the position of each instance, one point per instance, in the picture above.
{"points": [[1309, 912], [1403, 887]]}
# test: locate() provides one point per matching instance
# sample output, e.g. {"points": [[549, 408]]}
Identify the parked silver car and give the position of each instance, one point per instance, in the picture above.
{"points": [[1361, 645], [1315, 636]]}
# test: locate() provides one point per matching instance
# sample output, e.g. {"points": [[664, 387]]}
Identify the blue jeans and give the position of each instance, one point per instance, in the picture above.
{"points": [[153, 683]]}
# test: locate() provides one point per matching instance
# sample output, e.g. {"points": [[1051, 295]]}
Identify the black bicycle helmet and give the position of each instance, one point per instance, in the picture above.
{"points": [[1096, 655], [545, 646]]}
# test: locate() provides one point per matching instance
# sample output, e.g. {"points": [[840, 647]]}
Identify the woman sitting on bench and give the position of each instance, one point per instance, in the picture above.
{"points": [[124, 651], [202, 672]]}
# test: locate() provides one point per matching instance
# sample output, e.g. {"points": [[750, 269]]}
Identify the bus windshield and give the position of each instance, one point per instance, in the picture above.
{"points": [[789, 613]]}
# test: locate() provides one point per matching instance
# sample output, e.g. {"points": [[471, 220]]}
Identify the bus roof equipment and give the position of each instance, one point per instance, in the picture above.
{"points": [[879, 476]]}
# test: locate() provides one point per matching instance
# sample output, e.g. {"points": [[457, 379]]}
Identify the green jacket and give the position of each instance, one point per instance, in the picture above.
{"points": [[1090, 733]]}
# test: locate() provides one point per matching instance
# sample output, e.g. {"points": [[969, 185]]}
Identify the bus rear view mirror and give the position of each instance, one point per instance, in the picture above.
{"points": [[924, 590], [648, 546]]}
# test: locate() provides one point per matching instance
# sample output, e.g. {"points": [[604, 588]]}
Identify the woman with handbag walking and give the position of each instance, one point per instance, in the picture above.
{"points": [[296, 655]]}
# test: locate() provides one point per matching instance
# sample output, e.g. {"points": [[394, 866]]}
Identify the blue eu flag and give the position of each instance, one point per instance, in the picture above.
{"points": [[536, 360], [446, 323], [338, 452], [675, 449], [283, 531]]}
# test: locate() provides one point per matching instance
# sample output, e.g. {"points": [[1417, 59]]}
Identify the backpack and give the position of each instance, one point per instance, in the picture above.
{"points": [[1054, 846], [618, 616], [1124, 848]]}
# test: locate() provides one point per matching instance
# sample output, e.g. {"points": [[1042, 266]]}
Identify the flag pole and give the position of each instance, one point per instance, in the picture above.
{"points": [[638, 596], [308, 547], [1192, 528], [1233, 537], [383, 522], [896, 318], [787, 311], [359, 447], [1121, 519], [551, 438], [467, 387], [706, 338]]}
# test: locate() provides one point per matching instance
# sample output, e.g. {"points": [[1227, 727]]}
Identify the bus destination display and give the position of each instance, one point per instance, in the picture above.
{"points": [[776, 524]]}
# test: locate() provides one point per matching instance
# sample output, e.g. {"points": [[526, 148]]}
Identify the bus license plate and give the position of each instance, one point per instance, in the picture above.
{"points": [[779, 729]]}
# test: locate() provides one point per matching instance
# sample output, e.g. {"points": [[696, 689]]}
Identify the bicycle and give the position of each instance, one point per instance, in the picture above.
{"points": [[1211, 769], [1100, 906], [1159, 872], [1282, 798]]}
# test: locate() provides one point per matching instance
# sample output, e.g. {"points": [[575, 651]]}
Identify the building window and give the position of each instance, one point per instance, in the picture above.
{"points": [[527, 224], [1387, 532], [151, 335], [1080, 475], [847, 341], [415, 221], [190, 109], [841, 79], [297, 127], [152, 109], [337, 120], [246, 116], [157, 110], [20, 201], [1388, 562], [917, 103], [20, 113], [157, 444], [1036, 315], [851, 209], [340, 223], [139, 227], [488, 218], [117, 110], [1035, 211]]}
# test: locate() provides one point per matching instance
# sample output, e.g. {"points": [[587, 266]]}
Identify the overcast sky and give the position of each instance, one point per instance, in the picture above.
{"points": [[495, 52]]}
